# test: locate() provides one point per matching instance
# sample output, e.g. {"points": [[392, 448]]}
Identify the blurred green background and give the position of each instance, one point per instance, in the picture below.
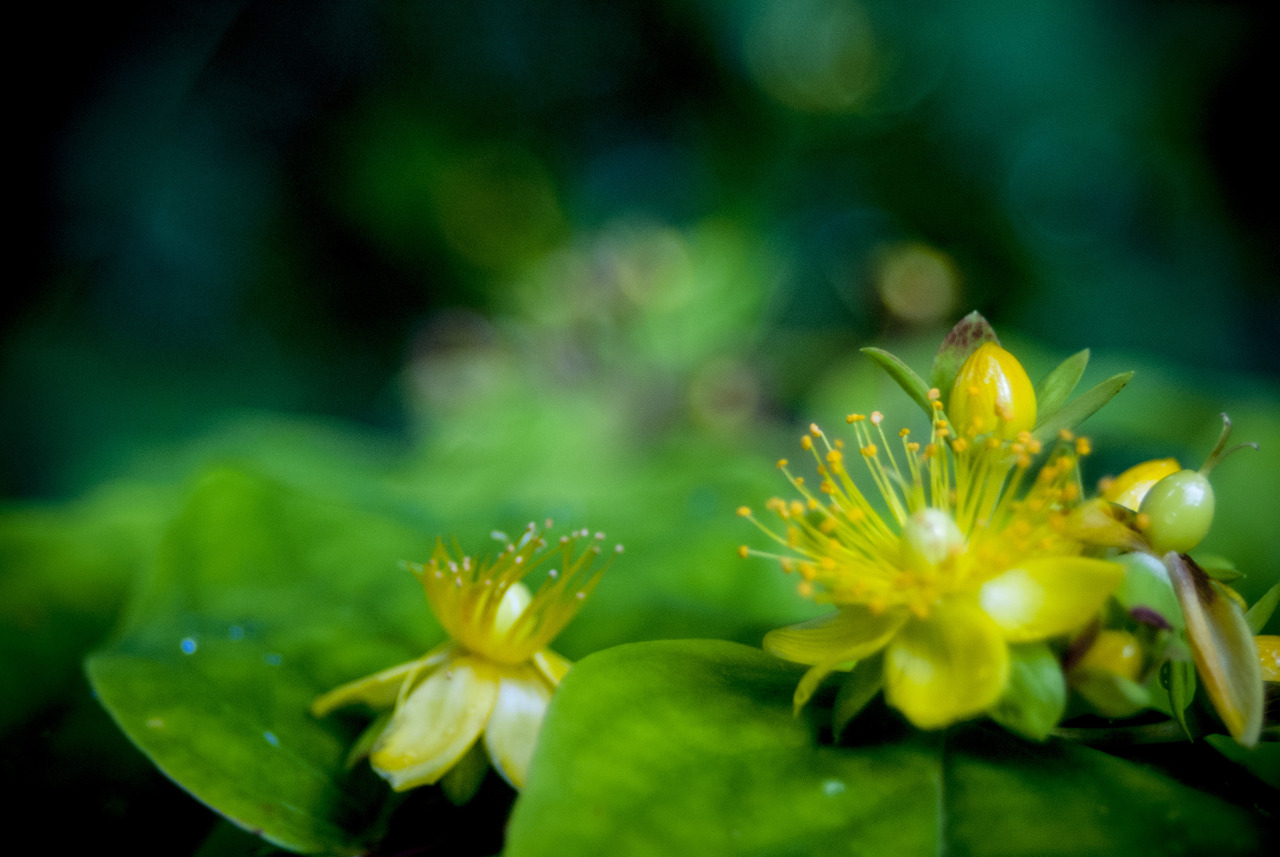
{"points": [[487, 260]]}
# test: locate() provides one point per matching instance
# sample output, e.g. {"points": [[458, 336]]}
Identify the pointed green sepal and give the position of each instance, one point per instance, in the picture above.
{"points": [[1256, 616], [961, 341], [1179, 681], [1081, 407], [1222, 647], [1036, 695], [1053, 391], [904, 375], [859, 687]]}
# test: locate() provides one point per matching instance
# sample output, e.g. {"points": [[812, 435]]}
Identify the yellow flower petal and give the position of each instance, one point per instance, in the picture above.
{"points": [[513, 603], [437, 723], [552, 666], [849, 633], [1044, 597], [513, 727], [381, 689], [1130, 487], [946, 668]]}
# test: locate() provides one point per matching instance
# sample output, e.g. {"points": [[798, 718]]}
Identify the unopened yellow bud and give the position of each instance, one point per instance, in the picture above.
{"points": [[1130, 487], [1116, 652], [992, 393], [1269, 654]]}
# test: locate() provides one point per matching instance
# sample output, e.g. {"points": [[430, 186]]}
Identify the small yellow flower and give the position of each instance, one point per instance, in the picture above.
{"points": [[969, 551], [494, 676]]}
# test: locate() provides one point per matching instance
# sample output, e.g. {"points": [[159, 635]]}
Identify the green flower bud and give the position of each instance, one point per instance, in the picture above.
{"points": [[1179, 511]]}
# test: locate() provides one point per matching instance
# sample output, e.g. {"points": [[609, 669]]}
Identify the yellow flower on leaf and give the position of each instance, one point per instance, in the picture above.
{"points": [[968, 551], [492, 680]]}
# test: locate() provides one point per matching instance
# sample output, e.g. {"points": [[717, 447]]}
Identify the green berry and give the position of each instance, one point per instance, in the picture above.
{"points": [[1179, 511]]}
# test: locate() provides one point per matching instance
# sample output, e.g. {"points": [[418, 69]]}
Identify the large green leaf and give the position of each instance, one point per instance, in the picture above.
{"points": [[690, 747], [261, 599], [65, 572]]}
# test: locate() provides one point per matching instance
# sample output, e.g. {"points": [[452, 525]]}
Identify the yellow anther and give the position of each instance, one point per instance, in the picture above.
{"points": [[744, 511], [937, 406], [835, 456], [812, 504], [869, 450], [806, 442], [782, 462], [903, 432], [855, 418], [1066, 435], [992, 443], [913, 447], [744, 551], [814, 430], [959, 445], [1083, 446], [1033, 447]]}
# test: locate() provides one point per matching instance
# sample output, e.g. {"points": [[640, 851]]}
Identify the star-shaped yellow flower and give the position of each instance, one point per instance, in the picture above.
{"points": [[969, 551], [493, 677]]}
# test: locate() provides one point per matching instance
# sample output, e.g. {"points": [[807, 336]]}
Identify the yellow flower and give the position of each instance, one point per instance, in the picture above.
{"points": [[969, 552], [494, 676]]}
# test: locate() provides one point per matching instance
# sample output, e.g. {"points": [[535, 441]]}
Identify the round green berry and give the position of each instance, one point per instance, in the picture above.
{"points": [[1179, 511]]}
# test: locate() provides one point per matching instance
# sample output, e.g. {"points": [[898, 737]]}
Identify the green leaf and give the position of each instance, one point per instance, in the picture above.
{"points": [[961, 341], [690, 747], [1263, 761], [1053, 391], [1036, 696], [1081, 407], [261, 599], [904, 375], [1257, 616], [65, 572], [858, 688]]}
